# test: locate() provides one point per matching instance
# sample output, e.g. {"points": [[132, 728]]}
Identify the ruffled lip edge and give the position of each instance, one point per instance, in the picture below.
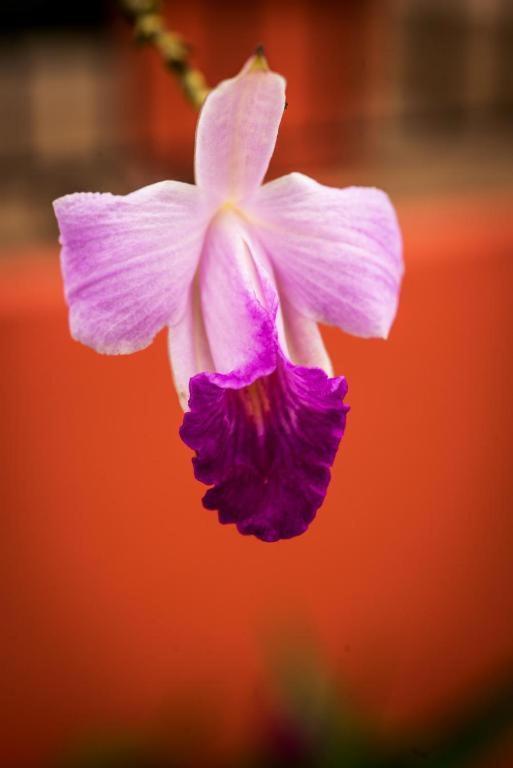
{"points": [[335, 388]]}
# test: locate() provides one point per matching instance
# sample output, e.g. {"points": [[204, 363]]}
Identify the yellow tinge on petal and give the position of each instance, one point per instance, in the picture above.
{"points": [[258, 62]]}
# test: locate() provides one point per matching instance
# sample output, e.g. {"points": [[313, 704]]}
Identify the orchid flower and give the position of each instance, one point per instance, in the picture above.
{"points": [[241, 273]]}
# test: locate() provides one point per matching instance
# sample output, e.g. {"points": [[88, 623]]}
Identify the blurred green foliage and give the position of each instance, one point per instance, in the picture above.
{"points": [[308, 723]]}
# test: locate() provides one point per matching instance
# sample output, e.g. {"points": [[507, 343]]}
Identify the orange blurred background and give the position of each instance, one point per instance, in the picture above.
{"points": [[121, 597]]}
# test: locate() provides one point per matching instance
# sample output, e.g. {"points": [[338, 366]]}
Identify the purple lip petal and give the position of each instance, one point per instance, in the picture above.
{"points": [[266, 449]]}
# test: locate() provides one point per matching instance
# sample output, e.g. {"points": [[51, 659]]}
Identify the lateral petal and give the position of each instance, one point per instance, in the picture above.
{"points": [[237, 131], [337, 252], [189, 350], [128, 261], [304, 341]]}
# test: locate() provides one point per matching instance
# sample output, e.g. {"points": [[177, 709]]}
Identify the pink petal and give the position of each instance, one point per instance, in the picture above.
{"points": [[128, 261], [237, 131], [228, 325], [299, 337], [337, 252], [189, 350], [237, 305], [305, 346]]}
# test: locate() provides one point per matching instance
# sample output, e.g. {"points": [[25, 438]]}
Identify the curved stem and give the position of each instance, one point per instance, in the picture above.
{"points": [[150, 28]]}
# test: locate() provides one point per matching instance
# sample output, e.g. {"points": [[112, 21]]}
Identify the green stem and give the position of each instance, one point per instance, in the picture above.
{"points": [[150, 28]]}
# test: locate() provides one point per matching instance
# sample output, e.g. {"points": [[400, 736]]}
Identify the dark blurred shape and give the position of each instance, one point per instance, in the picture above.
{"points": [[456, 57], [110, 751], [313, 731], [314, 723], [469, 735], [436, 50], [41, 14], [410, 95], [504, 47]]}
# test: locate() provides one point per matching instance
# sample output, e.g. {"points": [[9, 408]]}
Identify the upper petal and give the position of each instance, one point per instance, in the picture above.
{"points": [[237, 131], [128, 261], [337, 252]]}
